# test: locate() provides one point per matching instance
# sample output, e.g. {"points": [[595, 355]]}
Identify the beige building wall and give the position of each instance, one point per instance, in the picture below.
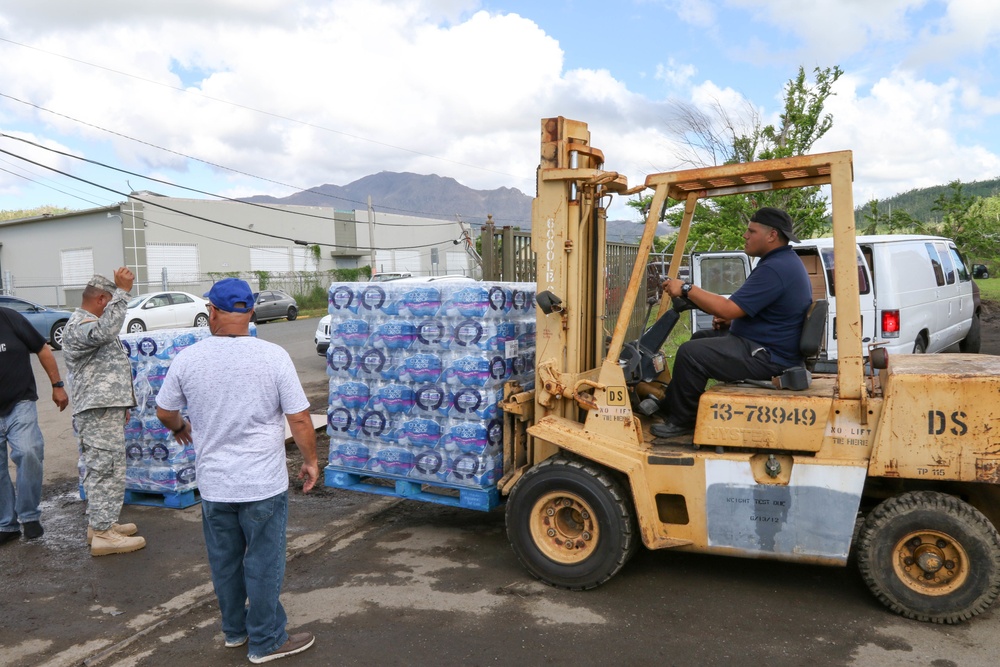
{"points": [[227, 237]]}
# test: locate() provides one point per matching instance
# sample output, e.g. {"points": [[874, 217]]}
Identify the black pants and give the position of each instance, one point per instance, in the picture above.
{"points": [[721, 357]]}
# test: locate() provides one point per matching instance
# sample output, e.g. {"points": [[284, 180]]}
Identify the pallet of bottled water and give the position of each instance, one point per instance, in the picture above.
{"points": [[158, 470], [417, 372]]}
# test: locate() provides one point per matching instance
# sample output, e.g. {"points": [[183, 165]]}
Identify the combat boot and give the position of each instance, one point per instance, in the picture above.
{"points": [[107, 542], [125, 529]]}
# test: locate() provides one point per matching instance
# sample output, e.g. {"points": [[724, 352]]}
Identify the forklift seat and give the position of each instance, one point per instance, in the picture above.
{"points": [[813, 330], [810, 343]]}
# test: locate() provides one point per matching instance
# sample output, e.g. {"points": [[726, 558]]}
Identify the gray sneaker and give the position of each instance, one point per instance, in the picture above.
{"points": [[295, 644]]}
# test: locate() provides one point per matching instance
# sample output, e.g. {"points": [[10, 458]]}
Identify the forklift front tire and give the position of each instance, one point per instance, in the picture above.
{"points": [[571, 523], [930, 556]]}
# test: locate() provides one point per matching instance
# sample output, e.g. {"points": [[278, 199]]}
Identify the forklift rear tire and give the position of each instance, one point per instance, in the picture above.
{"points": [[930, 556], [571, 523]]}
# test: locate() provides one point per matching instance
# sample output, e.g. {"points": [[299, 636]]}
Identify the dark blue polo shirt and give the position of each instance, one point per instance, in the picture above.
{"points": [[775, 298]]}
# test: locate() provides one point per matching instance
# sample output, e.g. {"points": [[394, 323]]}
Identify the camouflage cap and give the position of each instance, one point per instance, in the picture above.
{"points": [[102, 283]]}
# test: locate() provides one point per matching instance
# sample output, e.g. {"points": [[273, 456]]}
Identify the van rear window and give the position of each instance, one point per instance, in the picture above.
{"points": [[946, 264], [864, 286], [963, 272], [936, 264], [722, 275]]}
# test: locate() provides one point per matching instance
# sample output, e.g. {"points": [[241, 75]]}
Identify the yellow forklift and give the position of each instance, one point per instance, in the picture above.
{"points": [[910, 445]]}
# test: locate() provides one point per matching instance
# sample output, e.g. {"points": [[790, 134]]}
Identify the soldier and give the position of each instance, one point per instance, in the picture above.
{"points": [[100, 380]]}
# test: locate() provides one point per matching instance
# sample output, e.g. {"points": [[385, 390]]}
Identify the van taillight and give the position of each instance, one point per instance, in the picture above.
{"points": [[890, 324]]}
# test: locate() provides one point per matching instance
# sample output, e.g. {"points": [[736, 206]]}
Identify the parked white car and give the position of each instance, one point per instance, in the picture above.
{"points": [[322, 335], [165, 310]]}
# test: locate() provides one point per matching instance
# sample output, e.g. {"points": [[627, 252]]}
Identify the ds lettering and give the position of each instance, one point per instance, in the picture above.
{"points": [[937, 423]]}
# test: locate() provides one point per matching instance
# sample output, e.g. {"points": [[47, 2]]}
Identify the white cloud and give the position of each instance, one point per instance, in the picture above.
{"points": [[328, 91], [675, 74], [902, 135]]}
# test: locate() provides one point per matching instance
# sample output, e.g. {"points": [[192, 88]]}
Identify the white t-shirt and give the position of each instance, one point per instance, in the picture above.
{"points": [[237, 392]]}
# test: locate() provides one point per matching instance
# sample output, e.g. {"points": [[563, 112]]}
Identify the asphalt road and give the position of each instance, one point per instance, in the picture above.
{"points": [[397, 582]]}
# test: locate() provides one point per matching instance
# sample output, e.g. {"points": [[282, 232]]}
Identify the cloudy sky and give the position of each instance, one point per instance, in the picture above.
{"points": [[241, 97]]}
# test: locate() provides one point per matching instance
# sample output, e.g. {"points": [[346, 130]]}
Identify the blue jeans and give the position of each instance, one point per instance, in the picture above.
{"points": [[246, 552], [20, 430]]}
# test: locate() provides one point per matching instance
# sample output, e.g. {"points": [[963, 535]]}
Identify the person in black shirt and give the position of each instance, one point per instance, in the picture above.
{"points": [[19, 423]]}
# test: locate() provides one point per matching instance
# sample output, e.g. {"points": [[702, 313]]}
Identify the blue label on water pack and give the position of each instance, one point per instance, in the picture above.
{"points": [[395, 335], [421, 302], [421, 368], [421, 432], [353, 333], [372, 298], [470, 437], [342, 298], [394, 398], [351, 394], [431, 333], [349, 454], [429, 462], [430, 397], [395, 460], [373, 423], [340, 420]]}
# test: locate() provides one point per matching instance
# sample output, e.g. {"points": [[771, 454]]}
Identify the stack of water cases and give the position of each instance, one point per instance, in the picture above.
{"points": [[417, 373], [155, 461]]}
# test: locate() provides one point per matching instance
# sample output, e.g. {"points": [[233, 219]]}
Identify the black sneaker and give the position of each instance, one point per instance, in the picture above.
{"points": [[668, 430], [9, 536], [32, 530], [295, 644]]}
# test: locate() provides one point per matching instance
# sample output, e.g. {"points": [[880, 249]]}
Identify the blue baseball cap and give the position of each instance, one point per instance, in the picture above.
{"points": [[231, 295]]}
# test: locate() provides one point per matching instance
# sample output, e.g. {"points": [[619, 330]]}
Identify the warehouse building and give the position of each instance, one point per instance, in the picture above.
{"points": [[187, 244]]}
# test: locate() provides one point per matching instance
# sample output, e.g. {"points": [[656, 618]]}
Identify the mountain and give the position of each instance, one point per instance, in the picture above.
{"points": [[919, 203], [417, 195], [436, 197]]}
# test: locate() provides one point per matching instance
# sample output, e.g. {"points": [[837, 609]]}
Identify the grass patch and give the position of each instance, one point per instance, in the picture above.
{"points": [[989, 289]]}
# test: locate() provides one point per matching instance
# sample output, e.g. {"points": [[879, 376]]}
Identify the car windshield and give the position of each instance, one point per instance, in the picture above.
{"points": [[134, 303]]}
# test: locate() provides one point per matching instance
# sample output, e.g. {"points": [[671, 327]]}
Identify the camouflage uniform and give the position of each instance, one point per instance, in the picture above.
{"points": [[100, 384]]}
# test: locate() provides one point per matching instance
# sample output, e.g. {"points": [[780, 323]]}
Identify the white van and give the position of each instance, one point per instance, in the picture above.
{"points": [[916, 291]]}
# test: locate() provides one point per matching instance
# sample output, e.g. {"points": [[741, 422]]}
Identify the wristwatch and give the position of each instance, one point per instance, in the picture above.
{"points": [[58, 385], [685, 288]]}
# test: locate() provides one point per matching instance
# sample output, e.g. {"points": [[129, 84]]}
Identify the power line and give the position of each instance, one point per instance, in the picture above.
{"points": [[203, 192], [298, 189], [198, 217]]}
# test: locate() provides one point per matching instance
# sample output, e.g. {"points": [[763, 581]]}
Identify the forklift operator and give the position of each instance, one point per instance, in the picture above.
{"points": [[766, 315]]}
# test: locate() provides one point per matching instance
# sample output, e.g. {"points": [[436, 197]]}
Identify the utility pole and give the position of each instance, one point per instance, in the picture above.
{"points": [[371, 231]]}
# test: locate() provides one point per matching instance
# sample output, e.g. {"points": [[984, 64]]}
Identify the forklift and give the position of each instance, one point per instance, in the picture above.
{"points": [[897, 458]]}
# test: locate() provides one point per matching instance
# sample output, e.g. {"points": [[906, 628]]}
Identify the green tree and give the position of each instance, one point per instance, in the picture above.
{"points": [[897, 221], [980, 239], [954, 206], [714, 134]]}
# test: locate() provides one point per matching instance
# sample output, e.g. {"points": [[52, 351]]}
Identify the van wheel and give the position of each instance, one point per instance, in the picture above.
{"points": [[919, 346], [973, 340], [571, 524], [931, 557]]}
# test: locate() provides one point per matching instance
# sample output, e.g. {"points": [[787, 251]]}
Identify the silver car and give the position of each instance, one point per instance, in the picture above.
{"points": [[47, 321], [274, 305]]}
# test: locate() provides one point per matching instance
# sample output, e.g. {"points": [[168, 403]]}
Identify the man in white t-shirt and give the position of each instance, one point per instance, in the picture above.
{"points": [[239, 391]]}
